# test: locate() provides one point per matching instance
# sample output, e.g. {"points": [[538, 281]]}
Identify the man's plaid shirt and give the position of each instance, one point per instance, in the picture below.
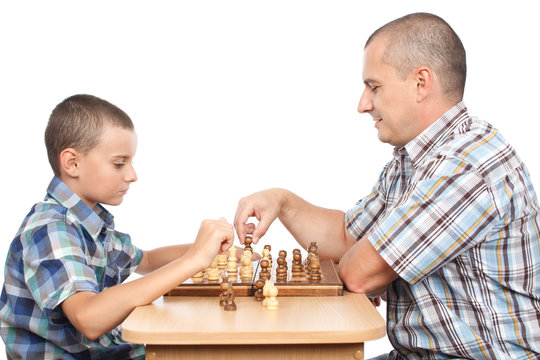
{"points": [[456, 216]]}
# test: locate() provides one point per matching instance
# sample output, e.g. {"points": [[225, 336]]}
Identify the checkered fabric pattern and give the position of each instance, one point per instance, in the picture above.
{"points": [[456, 216], [62, 247]]}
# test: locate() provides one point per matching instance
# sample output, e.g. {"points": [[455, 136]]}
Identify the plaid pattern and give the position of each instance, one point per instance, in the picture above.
{"points": [[456, 216], [62, 247]]}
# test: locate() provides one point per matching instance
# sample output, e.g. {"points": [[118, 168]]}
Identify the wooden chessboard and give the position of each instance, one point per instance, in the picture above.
{"points": [[329, 285]]}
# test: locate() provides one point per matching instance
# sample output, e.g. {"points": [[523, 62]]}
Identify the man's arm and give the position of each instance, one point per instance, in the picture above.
{"points": [[94, 314], [364, 271], [306, 222]]}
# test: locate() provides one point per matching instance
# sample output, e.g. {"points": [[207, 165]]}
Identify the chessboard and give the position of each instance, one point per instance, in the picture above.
{"points": [[295, 283]]}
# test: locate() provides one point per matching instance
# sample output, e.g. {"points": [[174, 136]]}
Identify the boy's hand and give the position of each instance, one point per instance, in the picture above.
{"points": [[214, 236]]}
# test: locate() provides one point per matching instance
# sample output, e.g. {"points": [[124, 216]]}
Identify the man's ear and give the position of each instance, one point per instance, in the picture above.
{"points": [[424, 82], [69, 162]]}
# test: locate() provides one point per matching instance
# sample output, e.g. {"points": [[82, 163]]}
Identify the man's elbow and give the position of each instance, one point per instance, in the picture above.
{"points": [[355, 283]]}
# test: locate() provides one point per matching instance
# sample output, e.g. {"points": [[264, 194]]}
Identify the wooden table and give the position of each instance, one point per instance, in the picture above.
{"points": [[331, 327]]}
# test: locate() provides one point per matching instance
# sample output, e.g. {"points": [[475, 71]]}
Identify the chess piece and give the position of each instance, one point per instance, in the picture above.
{"points": [[221, 261], [315, 272], [246, 272], [312, 251], [271, 301], [266, 287], [247, 243], [198, 277], [265, 254], [213, 274], [264, 274], [224, 287], [297, 267], [281, 271], [269, 252], [259, 284], [232, 266], [230, 305]]}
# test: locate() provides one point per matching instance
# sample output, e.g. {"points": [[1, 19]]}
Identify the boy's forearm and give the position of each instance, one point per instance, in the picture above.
{"points": [[156, 258], [95, 314]]}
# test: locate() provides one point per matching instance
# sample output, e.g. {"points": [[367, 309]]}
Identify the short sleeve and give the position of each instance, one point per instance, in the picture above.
{"points": [[361, 218], [55, 266], [436, 219]]}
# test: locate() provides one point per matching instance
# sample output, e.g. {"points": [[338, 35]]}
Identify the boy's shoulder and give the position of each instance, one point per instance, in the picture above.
{"points": [[61, 210]]}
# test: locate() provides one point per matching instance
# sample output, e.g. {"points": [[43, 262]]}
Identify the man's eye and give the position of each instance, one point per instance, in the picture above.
{"points": [[118, 165]]}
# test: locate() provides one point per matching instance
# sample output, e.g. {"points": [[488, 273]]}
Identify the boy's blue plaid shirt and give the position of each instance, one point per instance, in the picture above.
{"points": [[456, 216], [62, 247]]}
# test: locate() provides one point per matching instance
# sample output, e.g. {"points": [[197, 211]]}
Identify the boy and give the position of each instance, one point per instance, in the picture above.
{"points": [[63, 295]]}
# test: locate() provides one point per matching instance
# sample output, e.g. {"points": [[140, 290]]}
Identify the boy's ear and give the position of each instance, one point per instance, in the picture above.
{"points": [[69, 162]]}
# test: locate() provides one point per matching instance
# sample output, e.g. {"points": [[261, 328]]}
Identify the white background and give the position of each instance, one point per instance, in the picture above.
{"points": [[232, 97]]}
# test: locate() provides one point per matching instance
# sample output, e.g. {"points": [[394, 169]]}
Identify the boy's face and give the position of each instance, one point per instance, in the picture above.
{"points": [[106, 172]]}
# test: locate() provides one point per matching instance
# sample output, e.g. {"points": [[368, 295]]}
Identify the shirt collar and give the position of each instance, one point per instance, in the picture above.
{"points": [[93, 220], [422, 145]]}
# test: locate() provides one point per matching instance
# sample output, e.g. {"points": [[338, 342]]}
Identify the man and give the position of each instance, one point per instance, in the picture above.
{"points": [[450, 233]]}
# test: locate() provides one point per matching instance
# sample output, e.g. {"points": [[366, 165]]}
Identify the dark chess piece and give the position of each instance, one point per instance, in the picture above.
{"points": [[264, 274], [259, 284]]}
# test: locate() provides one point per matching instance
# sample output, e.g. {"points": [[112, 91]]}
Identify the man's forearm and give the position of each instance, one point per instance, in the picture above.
{"points": [[308, 223]]}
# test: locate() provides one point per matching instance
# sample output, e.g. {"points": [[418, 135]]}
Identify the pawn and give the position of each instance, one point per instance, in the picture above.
{"points": [[221, 261], [264, 274], [297, 267], [269, 252], [230, 305], [315, 272], [272, 303], [213, 274], [266, 295], [198, 277], [247, 243], [232, 266], [224, 287], [281, 271], [246, 272], [259, 284]]}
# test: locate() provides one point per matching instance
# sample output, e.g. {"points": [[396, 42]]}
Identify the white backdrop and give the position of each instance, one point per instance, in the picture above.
{"points": [[232, 97]]}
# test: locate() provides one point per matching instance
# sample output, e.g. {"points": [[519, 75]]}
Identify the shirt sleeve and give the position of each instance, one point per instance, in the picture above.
{"points": [[361, 218], [55, 266], [442, 214]]}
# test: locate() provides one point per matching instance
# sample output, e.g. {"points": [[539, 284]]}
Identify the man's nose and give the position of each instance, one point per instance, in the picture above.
{"points": [[366, 103]]}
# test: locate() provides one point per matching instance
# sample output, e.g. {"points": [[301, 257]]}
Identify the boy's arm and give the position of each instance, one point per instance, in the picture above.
{"points": [[94, 314], [156, 258]]}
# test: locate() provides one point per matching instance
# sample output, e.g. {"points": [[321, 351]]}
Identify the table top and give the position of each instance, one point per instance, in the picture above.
{"points": [[170, 320]]}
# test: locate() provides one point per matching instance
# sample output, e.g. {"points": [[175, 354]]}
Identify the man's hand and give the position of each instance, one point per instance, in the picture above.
{"points": [[265, 206]]}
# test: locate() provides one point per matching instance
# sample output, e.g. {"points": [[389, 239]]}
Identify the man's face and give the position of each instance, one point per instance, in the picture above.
{"points": [[389, 100], [107, 170]]}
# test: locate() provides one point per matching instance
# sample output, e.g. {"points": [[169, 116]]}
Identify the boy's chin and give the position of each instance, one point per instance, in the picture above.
{"points": [[113, 202]]}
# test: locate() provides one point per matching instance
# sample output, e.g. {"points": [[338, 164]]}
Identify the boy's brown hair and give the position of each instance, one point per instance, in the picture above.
{"points": [[78, 122]]}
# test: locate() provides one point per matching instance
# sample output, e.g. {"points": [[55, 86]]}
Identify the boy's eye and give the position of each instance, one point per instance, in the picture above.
{"points": [[118, 165]]}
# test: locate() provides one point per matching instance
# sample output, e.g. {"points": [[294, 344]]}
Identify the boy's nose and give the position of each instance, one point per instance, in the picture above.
{"points": [[131, 176]]}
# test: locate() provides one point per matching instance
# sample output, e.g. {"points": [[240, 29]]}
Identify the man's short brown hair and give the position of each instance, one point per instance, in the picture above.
{"points": [[425, 39], [78, 122]]}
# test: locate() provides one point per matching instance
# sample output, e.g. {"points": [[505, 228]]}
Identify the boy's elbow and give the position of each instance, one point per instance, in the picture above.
{"points": [[83, 323]]}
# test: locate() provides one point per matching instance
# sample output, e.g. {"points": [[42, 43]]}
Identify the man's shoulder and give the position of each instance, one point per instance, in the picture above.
{"points": [[480, 145]]}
